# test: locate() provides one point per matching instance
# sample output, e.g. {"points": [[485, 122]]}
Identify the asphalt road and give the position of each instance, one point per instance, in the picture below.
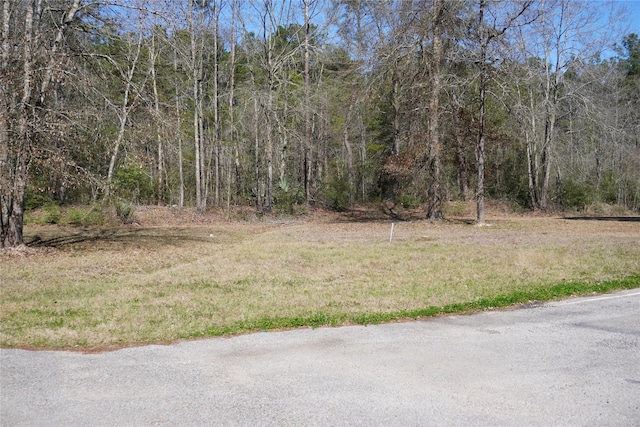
{"points": [[575, 362]]}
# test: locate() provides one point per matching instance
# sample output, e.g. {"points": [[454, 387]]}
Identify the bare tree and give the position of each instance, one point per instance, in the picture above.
{"points": [[196, 26], [215, 106], [232, 98], [489, 31], [154, 52], [268, 56], [25, 96], [127, 72], [352, 27], [564, 32], [307, 101], [434, 193]]}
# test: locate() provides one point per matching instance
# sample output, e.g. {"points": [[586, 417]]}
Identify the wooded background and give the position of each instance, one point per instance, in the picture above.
{"points": [[332, 103]]}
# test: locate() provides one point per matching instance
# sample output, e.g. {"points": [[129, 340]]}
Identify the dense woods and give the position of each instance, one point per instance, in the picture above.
{"points": [[278, 104]]}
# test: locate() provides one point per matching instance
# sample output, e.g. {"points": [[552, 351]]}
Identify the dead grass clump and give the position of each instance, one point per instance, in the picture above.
{"points": [[23, 251]]}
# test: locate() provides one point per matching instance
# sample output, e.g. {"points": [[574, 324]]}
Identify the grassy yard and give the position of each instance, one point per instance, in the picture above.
{"points": [[103, 288]]}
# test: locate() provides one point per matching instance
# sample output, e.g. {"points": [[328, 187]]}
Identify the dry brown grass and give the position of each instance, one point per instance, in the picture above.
{"points": [[180, 275]]}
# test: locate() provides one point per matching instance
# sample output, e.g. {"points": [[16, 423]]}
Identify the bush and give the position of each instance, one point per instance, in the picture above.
{"points": [[132, 183], [75, 216], [630, 190], [337, 193], [619, 190], [124, 212], [576, 195], [408, 200], [287, 197], [511, 183], [34, 199], [51, 214], [608, 190], [85, 216]]}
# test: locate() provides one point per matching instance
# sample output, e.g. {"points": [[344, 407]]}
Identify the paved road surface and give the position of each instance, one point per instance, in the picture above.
{"points": [[575, 362]]}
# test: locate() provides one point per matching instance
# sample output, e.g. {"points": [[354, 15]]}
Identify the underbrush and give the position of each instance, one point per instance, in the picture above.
{"points": [[92, 215], [124, 212]]}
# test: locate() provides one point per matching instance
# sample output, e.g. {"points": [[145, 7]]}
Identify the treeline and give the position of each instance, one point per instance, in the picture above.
{"points": [[283, 103]]}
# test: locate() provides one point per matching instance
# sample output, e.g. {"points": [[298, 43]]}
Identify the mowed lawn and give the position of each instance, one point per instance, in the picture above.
{"points": [[104, 288]]}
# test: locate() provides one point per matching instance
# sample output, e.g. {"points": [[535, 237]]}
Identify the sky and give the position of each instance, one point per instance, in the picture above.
{"points": [[634, 15]]}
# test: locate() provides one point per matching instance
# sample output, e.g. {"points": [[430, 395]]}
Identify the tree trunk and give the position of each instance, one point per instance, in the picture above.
{"points": [[196, 77], [157, 120], [256, 135], [216, 108], [13, 156], [268, 197], [484, 41], [180, 161], [532, 158], [7, 199], [232, 102], [395, 102], [17, 143], [531, 171], [179, 136], [434, 193], [153, 55], [6, 16], [348, 149], [307, 103], [481, 143], [546, 155], [282, 130], [461, 159], [6, 191]]}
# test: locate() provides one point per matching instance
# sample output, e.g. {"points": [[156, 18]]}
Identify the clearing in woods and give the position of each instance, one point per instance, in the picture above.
{"points": [[179, 275]]}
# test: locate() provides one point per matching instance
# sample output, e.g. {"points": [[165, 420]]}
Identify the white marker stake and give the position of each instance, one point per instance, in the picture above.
{"points": [[391, 234]]}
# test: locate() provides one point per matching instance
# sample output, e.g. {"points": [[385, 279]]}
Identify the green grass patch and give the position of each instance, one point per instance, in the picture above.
{"points": [[538, 295]]}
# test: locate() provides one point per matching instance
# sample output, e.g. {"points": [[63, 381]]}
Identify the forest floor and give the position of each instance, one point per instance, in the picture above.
{"points": [[176, 274]]}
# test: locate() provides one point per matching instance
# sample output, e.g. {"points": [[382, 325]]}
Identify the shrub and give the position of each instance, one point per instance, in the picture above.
{"points": [[87, 215], [575, 194], [408, 200], [34, 199], [287, 197], [124, 211], [51, 214], [131, 182], [608, 190], [337, 193]]}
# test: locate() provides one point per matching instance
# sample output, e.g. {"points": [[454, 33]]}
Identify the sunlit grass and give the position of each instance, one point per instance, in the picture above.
{"points": [[128, 286]]}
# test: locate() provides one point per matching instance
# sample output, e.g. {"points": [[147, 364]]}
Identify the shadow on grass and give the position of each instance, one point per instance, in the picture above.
{"points": [[98, 236], [381, 214], [604, 218]]}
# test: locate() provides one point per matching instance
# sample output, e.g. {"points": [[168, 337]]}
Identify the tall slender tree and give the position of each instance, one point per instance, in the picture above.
{"points": [[34, 42], [488, 32]]}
